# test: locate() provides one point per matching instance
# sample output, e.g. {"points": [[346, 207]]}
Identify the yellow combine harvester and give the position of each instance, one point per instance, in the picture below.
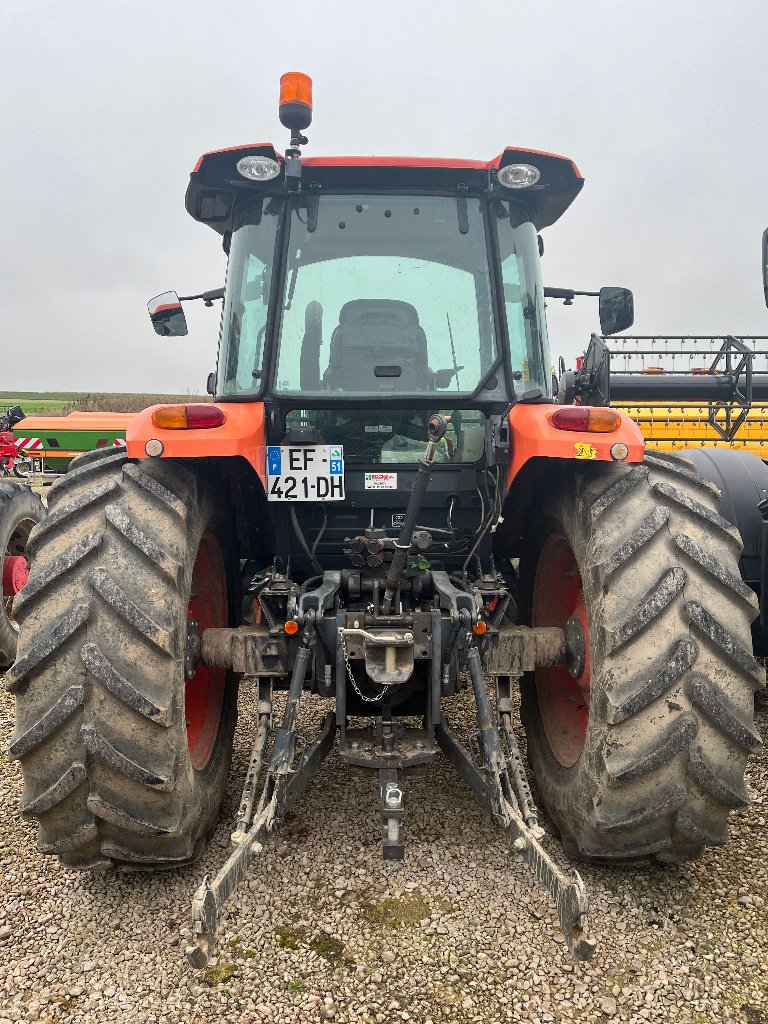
{"points": [[671, 427], [695, 392], [722, 404], [704, 397]]}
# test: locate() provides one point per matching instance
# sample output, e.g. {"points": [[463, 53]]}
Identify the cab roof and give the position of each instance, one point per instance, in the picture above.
{"points": [[215, 182]]}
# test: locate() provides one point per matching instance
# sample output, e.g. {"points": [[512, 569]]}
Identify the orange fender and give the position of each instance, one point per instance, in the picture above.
{"points": [[532, 435], [241, 434]]}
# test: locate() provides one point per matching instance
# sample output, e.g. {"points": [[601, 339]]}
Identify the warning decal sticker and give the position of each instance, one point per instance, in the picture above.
{"points": [[380, 481]]}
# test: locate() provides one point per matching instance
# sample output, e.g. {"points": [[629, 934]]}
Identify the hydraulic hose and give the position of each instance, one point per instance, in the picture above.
{"points": [[436, 429]]}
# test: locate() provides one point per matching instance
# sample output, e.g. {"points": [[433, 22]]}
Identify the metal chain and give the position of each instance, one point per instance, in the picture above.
{"points": [[355, 687]]}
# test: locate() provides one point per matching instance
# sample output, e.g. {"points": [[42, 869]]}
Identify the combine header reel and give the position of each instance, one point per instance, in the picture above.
{"points": [[727, 374]]}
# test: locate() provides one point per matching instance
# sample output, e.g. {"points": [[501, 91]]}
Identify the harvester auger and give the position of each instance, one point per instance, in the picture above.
{"points": [[383, 505]]}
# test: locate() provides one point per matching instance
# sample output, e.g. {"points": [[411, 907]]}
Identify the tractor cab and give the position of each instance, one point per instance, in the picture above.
{"points": [[353, 280], [364, 295]]}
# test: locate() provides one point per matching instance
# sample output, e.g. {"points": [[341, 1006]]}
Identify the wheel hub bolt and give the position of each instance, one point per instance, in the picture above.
{"points": [[575, 647]]}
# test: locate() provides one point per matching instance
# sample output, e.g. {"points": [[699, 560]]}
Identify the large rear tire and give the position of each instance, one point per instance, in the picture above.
{"points": [[20, 510], [124, 765], [639, 747]]}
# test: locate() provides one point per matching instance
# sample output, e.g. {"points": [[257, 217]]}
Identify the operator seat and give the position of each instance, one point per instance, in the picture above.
{"points": [[378, 332]]}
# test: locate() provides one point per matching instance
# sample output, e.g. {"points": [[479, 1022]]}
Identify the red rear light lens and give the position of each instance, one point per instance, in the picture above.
{"points": [[585, 418], [203, 416], [188, 417], [573, 418]]}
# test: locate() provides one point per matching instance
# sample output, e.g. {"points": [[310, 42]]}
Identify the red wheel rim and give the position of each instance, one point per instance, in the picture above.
{"points": [[15, 566], [15, 574], [558, 595], [204, 692]]}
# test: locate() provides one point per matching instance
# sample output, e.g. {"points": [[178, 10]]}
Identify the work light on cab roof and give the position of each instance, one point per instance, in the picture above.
{"points": [[518, 175], [258, 168], [295, 112]]}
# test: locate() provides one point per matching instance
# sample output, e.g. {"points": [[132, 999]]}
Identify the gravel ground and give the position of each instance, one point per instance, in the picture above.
{"points": [[325, 930]]}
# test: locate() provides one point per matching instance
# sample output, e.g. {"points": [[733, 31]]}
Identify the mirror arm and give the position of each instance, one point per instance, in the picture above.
{"points": [[208, 297], [566, 294]]}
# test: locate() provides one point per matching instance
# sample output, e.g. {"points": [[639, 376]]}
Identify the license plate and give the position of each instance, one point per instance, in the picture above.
{"points": [[305, 473]]}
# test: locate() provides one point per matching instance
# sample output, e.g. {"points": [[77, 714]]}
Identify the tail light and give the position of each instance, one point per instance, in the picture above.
{"points": [[585, 418], [188, 417]]}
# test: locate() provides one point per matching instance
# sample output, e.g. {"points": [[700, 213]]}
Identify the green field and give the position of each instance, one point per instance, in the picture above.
{"points": [[60, 403], [35, 402]]}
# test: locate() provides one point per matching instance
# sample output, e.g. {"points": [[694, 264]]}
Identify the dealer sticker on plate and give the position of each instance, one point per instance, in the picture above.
{"points": [[305, 473]]}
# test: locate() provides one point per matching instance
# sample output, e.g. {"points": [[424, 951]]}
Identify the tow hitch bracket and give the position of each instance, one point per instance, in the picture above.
{"points": [[392, 814], [491, 766]]}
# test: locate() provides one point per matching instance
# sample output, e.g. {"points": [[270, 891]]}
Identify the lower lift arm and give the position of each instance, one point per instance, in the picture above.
{"points": [[486, 770], [291, 767]]}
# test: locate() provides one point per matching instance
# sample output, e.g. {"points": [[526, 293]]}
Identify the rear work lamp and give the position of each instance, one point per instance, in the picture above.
{"points": [[518, 175], [258, 168]]}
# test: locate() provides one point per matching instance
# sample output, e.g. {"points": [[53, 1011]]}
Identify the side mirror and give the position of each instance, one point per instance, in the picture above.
{"points": [[765, 265], [167, 316], [617, 310]]}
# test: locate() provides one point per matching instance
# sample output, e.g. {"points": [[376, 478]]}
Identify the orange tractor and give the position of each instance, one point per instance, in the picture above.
{"points": [[384, 505]]}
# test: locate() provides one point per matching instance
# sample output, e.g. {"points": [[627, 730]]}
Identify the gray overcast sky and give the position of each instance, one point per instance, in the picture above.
{"points": [[106, 106]]}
